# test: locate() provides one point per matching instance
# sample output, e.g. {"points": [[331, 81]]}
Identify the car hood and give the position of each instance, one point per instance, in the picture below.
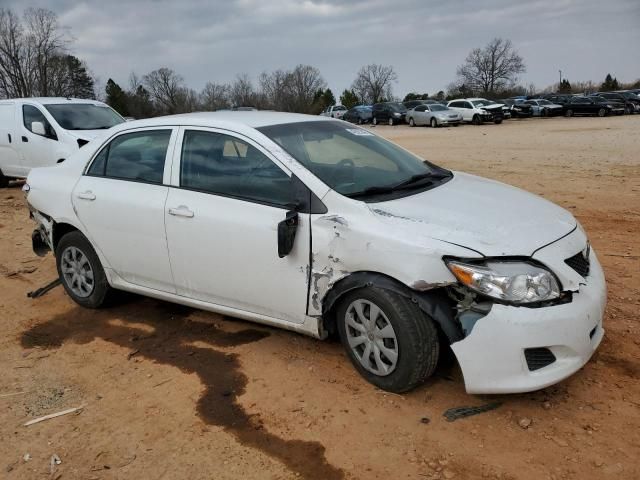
{"points": [[87, 134], [490, 217], [493, 106]]}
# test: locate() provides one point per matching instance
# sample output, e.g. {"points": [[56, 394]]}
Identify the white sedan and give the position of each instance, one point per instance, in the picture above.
{"points": [[318, 226]]}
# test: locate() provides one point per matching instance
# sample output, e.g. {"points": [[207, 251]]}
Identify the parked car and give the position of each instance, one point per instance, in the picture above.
{"points": [[409, 104], [558, 99], [388, 112], [541, 107], [630, 103], [359, 114], [478, 110], [592, 106], [518, 109], [434, 115], [37, 132], [334, 111], [218, 211]]}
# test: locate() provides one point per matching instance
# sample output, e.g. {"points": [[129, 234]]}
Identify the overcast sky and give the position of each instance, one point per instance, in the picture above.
{"points": [[424, 40]]}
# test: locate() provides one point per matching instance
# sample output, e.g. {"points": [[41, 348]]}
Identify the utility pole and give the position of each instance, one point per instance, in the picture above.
{"points": [[560, 76]]}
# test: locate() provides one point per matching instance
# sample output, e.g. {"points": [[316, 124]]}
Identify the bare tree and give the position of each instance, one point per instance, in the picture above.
{"points": [[242, 93], [374, 83], [492, 68], [275, 88], [304, 81], [15, 71], [166, 88], [214, 96]]}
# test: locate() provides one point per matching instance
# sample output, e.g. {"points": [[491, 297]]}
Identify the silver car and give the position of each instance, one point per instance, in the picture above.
{"points": [[544, 108], [434, 114]]}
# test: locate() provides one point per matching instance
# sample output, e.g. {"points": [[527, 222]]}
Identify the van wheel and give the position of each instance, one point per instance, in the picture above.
{"points": [[80, 271], [389, 340], [602, 112], [4, 181], [476, 120]]}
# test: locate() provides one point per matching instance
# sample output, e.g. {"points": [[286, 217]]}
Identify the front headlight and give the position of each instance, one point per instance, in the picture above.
{"points": [[509, 281], [396, 114]]}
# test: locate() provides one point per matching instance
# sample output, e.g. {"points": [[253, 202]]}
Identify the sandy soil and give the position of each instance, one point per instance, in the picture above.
{"points": [[174, 393]]}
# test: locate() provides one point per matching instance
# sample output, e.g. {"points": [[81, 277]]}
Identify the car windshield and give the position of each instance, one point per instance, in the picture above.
{"points": [[397, 107], [482, 103], [353, 161], [437, 108], [339, 107], [84, 116]]}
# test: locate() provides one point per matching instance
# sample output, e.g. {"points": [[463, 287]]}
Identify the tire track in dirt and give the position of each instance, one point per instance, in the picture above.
{"points": [[171, 343]]}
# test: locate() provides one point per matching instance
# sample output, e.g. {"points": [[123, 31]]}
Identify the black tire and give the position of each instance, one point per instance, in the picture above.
{"points": [[456, 124], [360, 122], [602, 112], [417, 339], [101, 289], [374, 121], [498, 121], [4, 181], [544, 112], [568, 113], [476, 120], [391, 122], [411, 122], [434, 123], [627, 110]]}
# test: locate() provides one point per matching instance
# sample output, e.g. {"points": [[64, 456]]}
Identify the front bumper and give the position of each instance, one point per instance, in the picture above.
{"points": [[492, 356], [449, 121]]}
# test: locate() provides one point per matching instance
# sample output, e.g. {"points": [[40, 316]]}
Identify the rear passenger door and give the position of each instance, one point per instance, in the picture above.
{"points": [[227, 198], [120, 200]]}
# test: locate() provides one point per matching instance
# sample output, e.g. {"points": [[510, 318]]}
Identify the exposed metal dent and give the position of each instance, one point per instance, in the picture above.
{"points": [[335, 219], [423, 286]]}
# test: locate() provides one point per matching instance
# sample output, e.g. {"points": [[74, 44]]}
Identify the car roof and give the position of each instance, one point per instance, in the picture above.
{"points": [[54, 100], [226, 119]]}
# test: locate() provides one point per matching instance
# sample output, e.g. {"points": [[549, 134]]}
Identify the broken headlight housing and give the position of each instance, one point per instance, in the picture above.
{"points": [[516, 282]]}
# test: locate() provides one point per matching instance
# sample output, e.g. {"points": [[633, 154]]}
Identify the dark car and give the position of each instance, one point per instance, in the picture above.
{"points": [[631, 104], [517, 107], [388, 112], [414, 103], [591, 106], [558, 98], [359, 114]]}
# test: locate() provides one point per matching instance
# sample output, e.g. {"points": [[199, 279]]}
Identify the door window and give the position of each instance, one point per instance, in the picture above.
{"points": [[138, 156], [420, 108], [32, 114], [225, 165]]}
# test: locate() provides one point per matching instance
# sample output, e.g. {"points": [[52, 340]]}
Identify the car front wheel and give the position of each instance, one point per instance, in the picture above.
{"points": [[391, 122], [374, 120], [389, 340], [80, 271], [434, 123], [476, 120], [411, 122], [602, 112]]}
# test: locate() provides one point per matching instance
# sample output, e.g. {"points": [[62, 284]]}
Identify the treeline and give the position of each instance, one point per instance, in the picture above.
{"points": [[35, 61]]}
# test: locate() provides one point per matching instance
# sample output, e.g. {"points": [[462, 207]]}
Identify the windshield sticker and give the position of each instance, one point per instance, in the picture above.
{"points": [[360, 132]]}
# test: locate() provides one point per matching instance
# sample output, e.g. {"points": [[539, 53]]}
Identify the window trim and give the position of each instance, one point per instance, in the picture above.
{"points": [[168, 159], [177, 165]]}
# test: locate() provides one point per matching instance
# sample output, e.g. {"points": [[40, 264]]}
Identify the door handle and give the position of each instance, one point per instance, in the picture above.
{"points": [[9, 135], [181, 211], [88, 195], [25, 139]]}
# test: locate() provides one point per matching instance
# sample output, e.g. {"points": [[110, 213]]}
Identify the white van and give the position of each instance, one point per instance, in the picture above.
{"points": [[39, 132]]}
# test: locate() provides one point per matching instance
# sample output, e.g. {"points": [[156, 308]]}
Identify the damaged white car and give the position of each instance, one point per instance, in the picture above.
{"points": [[317, 226]]}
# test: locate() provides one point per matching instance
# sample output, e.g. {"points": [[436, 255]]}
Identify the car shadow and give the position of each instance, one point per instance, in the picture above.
{"points": [[163, 332]]}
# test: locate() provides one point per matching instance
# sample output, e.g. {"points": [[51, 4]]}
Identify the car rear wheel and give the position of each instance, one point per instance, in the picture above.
{"points": [[389, 340], [360, 122], [411, 122], [476, 120], [80, 271], [569, 113], [374, 120], [544, 112], [391, 122], [602, 112], [434, 123]]}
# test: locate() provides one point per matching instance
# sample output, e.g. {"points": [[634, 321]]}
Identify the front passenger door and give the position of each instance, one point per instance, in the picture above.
{"points": [[226, 201]]}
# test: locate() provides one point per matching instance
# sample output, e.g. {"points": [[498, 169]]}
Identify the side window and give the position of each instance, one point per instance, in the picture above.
{"points": [[32, 114], [467, 105], [421, 108], [138, 156], [225, 165]]}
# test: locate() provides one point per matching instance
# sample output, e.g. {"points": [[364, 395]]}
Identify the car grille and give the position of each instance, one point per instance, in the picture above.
{"points": [[538, 358], [579, 263]]}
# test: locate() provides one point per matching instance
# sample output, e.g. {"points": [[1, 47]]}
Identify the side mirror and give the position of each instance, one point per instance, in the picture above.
{"points": [[38, 128], [287, 233]]}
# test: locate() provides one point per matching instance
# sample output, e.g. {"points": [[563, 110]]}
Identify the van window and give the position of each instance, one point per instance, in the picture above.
{"points": [[32, 114]]}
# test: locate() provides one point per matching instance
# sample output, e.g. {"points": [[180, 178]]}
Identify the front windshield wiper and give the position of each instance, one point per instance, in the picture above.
{"points": [[414, 181]]}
